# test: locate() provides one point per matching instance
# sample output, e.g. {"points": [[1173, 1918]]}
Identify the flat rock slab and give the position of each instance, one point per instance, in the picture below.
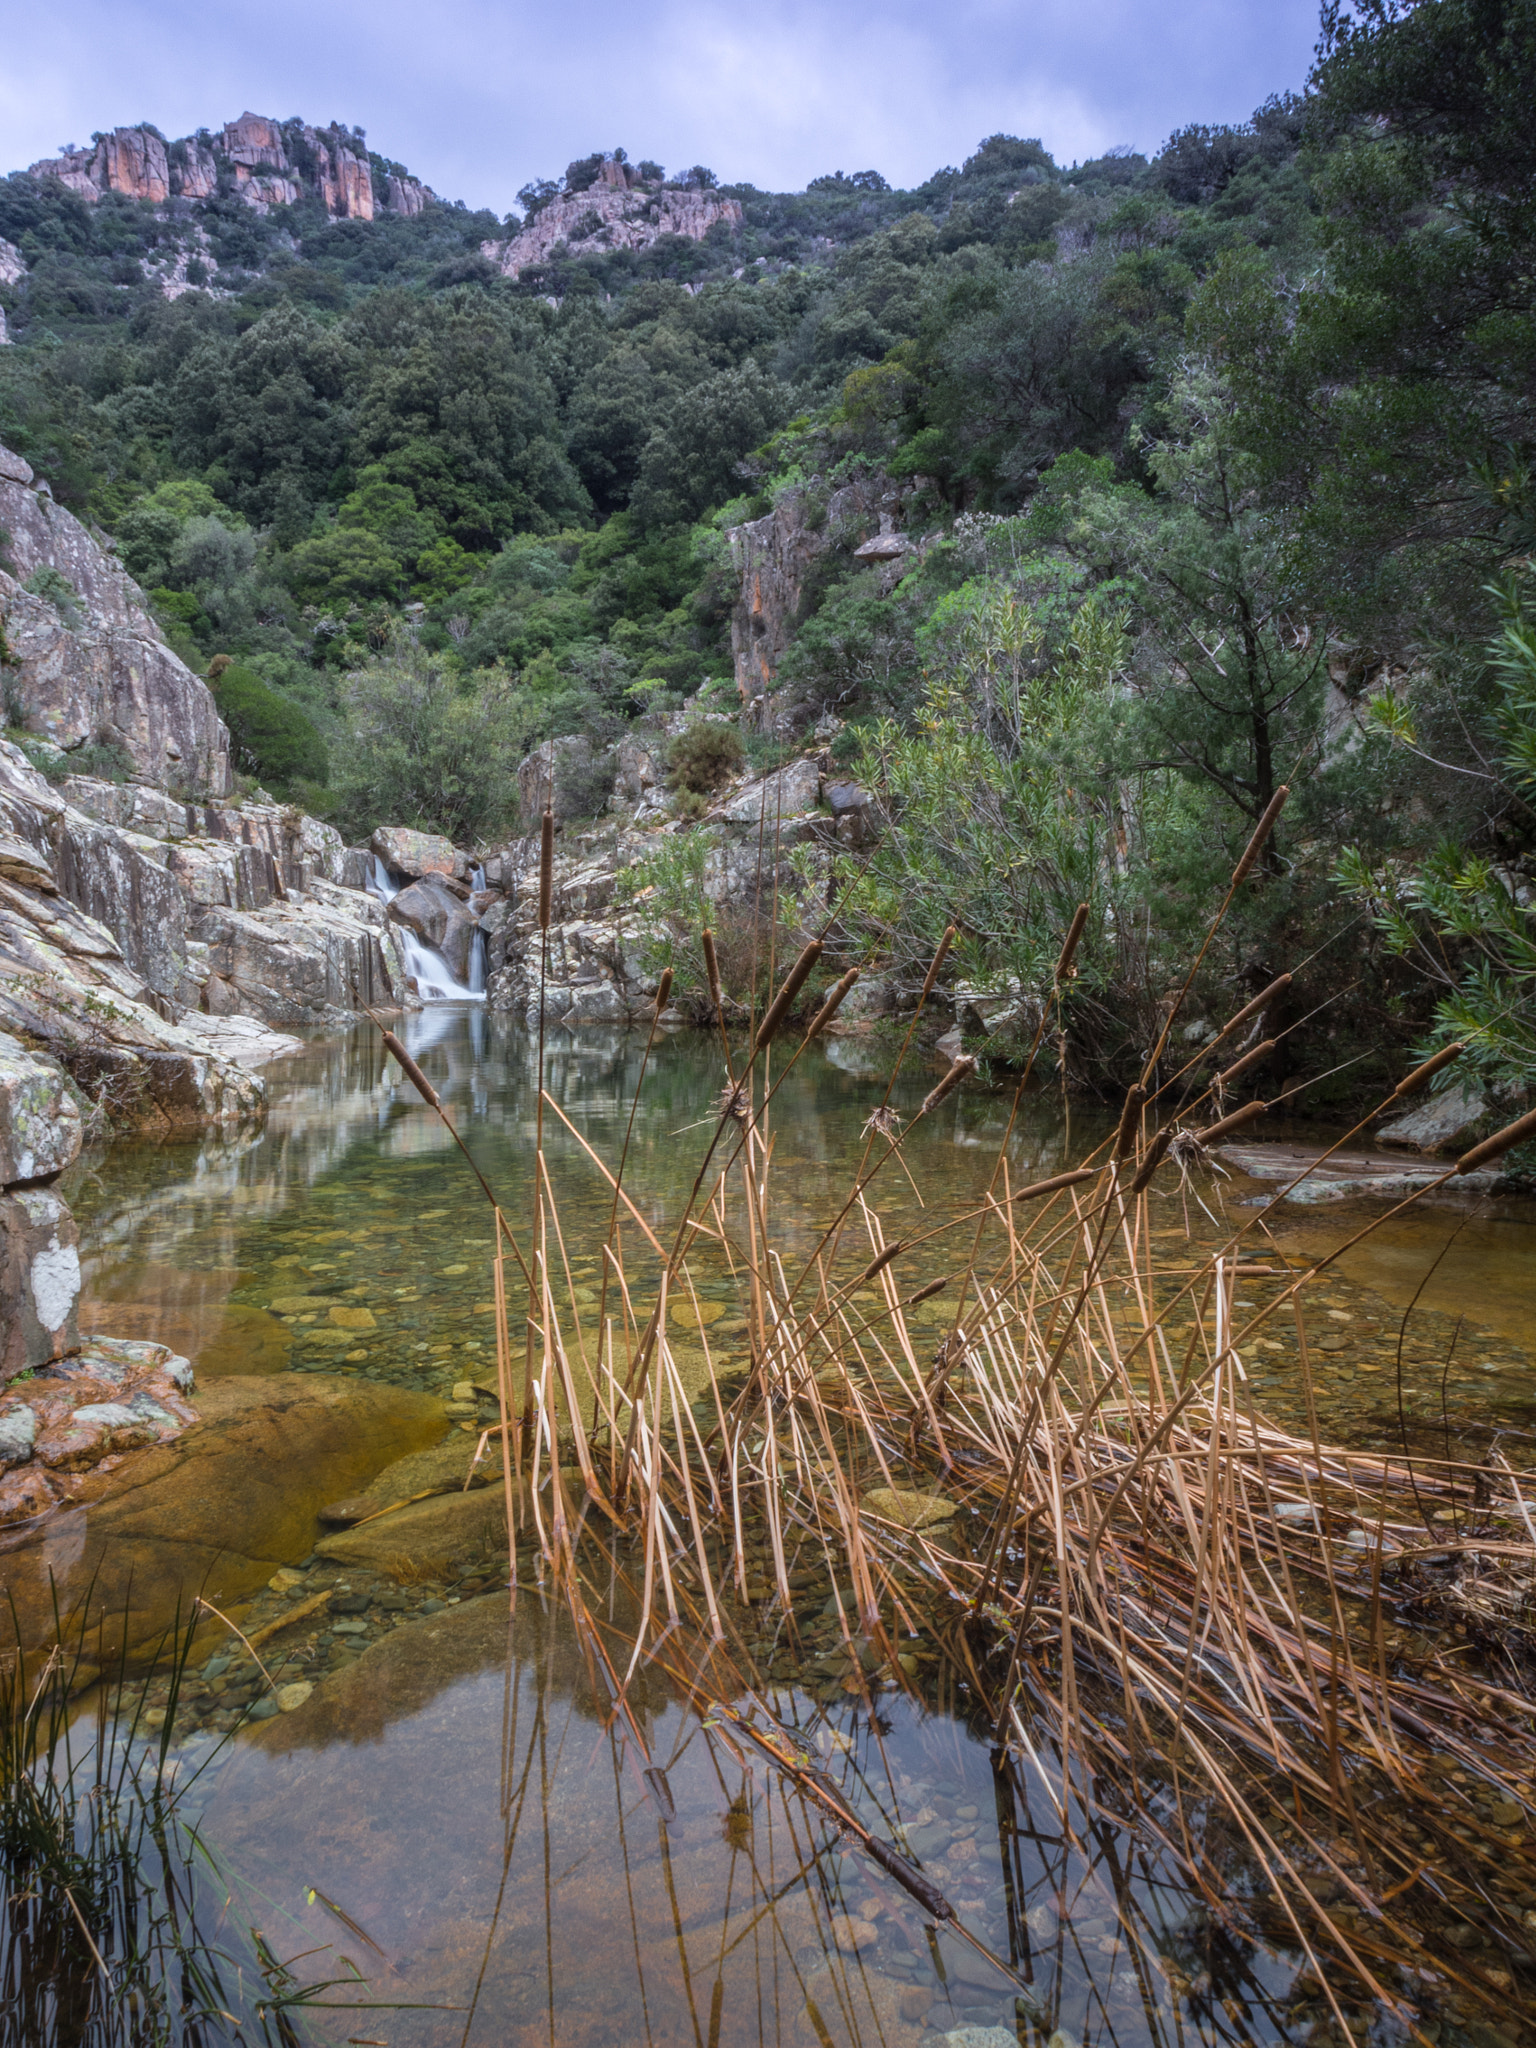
{"points": [[426, 1537], [1344, 1176], [213, 1514]]}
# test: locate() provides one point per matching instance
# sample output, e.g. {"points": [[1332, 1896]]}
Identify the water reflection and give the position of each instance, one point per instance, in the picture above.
{"points": [[354, 1195], [524, 1861]]}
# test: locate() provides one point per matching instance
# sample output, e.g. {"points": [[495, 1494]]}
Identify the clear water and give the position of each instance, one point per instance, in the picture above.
{"points": [[462, 1795]]}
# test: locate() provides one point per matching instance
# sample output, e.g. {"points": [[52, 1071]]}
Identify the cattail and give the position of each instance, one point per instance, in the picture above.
{"points": [[1249, 1059], [938, 961], [1277, 987], [1234, 1122], [663, 990], [922, 1294], [1056, 1184], [546, 868], [1412, 1083], [878, 1265], [1130, 1117], [950, 1082], [779, 1008], [1261, 832], [1152, 1159], [1501, 1142], [412, 1072], [832, 1005], [712, 970], [1064, 958]]}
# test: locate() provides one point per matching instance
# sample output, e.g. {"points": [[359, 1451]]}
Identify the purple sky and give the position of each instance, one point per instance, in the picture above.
{"points": [[477, 96]]}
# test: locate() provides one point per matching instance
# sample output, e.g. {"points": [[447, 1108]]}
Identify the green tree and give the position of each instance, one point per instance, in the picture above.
{"points": [[1226, 690], [429, 748], [271, 738]]}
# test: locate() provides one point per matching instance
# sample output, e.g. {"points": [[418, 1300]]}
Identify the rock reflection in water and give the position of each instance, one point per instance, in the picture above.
{"points": [[458, 1795]]}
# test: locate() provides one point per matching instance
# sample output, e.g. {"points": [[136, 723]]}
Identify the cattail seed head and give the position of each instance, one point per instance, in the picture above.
{"points": [[779, 1008], [832, 1005], [1069, 944], [957, 1073]]}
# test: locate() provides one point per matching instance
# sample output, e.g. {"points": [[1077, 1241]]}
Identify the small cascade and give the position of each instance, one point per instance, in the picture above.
{"points": [[477, 945], [431, 973]]}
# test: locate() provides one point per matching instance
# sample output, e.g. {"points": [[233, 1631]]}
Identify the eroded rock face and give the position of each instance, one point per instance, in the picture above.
{"points": [[39, 1117], [269, 163], [773, 557], [93, 665], [612, 215], [117, 991]]}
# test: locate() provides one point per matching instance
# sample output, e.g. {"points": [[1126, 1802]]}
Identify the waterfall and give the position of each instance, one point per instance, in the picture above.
{"points": [[477, 945], [426, 966]]}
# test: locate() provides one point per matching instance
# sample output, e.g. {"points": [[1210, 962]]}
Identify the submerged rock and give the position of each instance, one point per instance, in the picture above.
{"points": [[213, 1514], [911, 1509]]}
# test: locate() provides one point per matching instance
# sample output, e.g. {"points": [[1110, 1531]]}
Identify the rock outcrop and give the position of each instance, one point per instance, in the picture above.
{"points": [[84, 659], [264, 162], [773, 558], [607, 938], [615, 213]]}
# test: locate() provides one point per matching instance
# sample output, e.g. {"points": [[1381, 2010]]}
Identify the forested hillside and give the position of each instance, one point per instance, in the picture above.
{"points": [[1214, 470]]}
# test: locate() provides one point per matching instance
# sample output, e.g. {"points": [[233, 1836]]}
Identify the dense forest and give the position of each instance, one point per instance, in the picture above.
{"points": [[1220, 461]]}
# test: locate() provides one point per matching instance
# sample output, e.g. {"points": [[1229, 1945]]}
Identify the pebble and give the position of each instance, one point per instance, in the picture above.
{"points": [[850, 1934], [349, 1626], [261, 1710], [290, 1696]]}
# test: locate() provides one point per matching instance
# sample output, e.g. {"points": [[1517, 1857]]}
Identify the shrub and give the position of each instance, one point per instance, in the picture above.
{"points": [[272, 738], [705, 755], [58, 591], [584, 780]]}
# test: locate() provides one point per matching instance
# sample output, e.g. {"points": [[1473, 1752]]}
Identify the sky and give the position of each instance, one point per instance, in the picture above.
{"points": [[478, 96]]}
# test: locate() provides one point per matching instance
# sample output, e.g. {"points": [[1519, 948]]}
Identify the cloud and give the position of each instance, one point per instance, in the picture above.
{"points": [[477, 96]]}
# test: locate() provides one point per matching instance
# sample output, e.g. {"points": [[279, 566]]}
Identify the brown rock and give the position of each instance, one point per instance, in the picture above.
{"points": [[24, 1494], [417, 853], [422, 1540], [447, 1467], [216, 1512], [39, 1280]]}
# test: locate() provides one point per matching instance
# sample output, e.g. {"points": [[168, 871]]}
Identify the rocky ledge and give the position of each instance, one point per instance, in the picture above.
{"points": [[79, 1419]]}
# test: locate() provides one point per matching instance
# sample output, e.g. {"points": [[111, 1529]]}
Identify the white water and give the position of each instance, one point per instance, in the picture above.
{"points": [[433, 976], [477, 943]]}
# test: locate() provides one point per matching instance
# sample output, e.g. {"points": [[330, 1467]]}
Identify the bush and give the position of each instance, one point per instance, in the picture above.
{"points": [[704, 756], [272, 738], [584, 780], [428, 748]]}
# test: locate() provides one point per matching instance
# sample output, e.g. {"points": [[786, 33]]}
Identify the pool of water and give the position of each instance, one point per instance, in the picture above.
{"points": [[349, 1236], [461, 1813]]}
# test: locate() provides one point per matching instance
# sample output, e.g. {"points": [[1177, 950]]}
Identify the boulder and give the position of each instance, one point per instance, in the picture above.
{"points": [[787, 794], [1440, 1123], [39, 1280], [39, 1118], [437, 914], [417, 853]]}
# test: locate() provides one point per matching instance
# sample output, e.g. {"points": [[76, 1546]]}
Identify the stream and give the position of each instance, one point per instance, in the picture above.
{"points": [[453, 1814]]}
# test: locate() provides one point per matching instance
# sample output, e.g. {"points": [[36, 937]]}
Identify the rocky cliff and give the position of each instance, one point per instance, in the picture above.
{"points": [[80, 657], [263, 162], [617, 212], [774, 557]]}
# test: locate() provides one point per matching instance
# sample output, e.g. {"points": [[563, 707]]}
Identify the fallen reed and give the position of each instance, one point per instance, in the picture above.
{"points": [[1178, 1618]]}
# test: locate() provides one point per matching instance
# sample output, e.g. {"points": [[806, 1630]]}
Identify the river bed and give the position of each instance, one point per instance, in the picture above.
{"points": [[451, 1810]]}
